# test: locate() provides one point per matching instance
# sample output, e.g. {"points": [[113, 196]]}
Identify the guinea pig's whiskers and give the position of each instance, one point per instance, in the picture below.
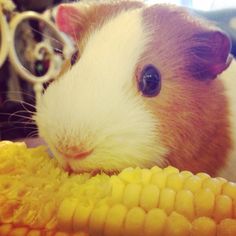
{"points": [[32, 134], [15, 128], [18, 120], [25, 120], [18, 116], [18, 124], [23, 103], [15, 114], [22, 92]]}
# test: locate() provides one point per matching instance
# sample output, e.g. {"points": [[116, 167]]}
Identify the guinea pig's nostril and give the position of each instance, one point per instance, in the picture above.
{"points": [[75, 152]]}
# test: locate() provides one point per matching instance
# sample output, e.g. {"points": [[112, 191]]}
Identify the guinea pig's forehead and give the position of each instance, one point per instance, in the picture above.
{"points": [[119, 41]]}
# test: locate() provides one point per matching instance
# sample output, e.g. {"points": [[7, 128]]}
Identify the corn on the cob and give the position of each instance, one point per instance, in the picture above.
{"points": [[37, 198]]}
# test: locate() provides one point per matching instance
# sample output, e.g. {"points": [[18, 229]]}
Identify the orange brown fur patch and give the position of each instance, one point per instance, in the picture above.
{"points": [[192, 113]]}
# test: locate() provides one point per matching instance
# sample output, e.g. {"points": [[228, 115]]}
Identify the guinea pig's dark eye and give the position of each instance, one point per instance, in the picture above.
{"points": [[150, 81], [74, 57]]}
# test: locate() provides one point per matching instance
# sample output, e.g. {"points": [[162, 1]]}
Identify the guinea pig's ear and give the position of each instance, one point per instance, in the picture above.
{"points": [[210, 54], [70, 19]]}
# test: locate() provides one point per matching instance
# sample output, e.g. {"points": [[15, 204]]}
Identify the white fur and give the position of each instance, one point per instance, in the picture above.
{"points": [[97, 104], [229, 79]]}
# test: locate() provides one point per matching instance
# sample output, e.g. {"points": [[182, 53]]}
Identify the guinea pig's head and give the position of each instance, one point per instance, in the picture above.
{"points": [[142, 82]]}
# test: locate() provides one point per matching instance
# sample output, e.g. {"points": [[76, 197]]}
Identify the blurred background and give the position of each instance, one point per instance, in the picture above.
{"points": [[32, 53], [205, 5]]}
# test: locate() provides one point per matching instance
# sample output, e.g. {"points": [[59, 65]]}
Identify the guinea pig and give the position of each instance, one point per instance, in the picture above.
{"points": [[150, 85]]}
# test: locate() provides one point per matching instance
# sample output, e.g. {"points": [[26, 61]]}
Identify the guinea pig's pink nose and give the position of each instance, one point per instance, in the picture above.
{"points": [[75, 152]]}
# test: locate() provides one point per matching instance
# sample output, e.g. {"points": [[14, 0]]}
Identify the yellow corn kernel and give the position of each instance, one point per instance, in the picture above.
{"points": [[131, 195], [203, 176], [65, 214], [21, 214], [28, 218], [3, 199], [115, 220], [5, 228], [80, 234], [214, 184], [118, 187], [159, 179], [6, 143], [155, 221], [49, 233], [155, 169], [184, 204], [186, 174], [149, 198], [7, 211], [46, 214], [81, 215], [175, 181], [52, 224], [34, 233], [170, 170], [222, 180], [61, 234], [167, 200], [193, 183], [20, 231], [130, 175], [223, 208], [146, 175], [203, 226], [204, 201], [134, 222], [229, 189], [177, 225], [97, 219], [227, 227]]}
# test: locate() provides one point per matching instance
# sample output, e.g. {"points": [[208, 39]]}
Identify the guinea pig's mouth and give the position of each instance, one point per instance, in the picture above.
{"points": [[71, 154], [74, 153]]}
